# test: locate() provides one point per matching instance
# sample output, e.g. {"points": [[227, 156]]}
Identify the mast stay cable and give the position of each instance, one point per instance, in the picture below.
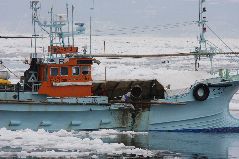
{"points": [[9, 70], [219, 38]]}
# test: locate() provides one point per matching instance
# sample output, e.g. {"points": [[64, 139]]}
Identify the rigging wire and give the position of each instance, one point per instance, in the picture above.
{"points": [[135, 29], [9, 70], [220, 39], [214, 45], [232, 59]]}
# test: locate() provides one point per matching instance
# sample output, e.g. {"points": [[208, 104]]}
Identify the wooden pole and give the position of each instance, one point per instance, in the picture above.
{"points": [[104, 47]]}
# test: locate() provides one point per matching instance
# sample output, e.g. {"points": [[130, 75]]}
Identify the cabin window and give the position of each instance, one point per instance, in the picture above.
{"points": [[85, 70], [75, 71], [64, 71], [54, 71]]}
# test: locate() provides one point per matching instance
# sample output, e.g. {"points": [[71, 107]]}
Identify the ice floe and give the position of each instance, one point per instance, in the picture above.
{"points": [[23, 143]]}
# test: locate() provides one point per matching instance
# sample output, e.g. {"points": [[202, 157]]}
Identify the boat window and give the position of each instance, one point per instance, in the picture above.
{"points": [[54, 71], [64, 71], [75, 70], [85, 70]]}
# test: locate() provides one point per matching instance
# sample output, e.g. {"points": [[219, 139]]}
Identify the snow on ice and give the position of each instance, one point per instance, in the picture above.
{"points": [[23, 143]]}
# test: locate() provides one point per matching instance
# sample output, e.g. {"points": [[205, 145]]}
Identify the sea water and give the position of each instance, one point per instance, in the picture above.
{"points": [[115, 144], [187, 145]]}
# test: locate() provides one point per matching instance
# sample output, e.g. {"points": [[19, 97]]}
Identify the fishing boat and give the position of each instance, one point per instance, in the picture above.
{"points": [[58, 92]]}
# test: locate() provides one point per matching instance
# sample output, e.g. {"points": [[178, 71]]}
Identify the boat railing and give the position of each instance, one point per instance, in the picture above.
{"points": [[35, 87], [177, 92], [33, 55], [9, 88]]}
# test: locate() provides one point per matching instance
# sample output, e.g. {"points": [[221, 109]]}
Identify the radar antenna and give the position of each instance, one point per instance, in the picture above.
{"points": [[55, 28]]}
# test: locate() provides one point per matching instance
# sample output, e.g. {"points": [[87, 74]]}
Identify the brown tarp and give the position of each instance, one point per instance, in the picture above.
{"points": [[116, 89]]}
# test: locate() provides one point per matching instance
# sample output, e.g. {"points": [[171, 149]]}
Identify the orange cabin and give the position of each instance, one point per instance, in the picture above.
{"points": [[66, 77]]}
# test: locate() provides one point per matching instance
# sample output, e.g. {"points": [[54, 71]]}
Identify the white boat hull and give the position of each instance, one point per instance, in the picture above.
{"points": [[174, 113]]}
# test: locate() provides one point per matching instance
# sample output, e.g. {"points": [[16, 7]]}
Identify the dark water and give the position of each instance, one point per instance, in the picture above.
{"points": [[188, 145]]}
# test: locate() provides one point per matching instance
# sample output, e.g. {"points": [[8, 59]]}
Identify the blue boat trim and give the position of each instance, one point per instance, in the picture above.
{"points": [[211, 130], [219, 85]]}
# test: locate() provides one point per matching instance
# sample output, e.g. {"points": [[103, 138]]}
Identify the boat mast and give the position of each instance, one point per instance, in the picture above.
{"points": [[68, 23], [202, 25], [51, 35], [202, 40], [202, 50], [92, 8], [90, 35], [35, 40], [72, 23], [35, 6]]}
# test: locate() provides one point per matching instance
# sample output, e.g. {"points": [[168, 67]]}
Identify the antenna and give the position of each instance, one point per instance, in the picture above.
{"points": [[56, 27], [68, 23], [73, 40], [90, 35], [202, 25], [35, 6], [92, 8], [51, 34], [93, 5]]}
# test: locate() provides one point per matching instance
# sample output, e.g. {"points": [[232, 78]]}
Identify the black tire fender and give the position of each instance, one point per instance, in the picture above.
{"points": [[136, 92], [196, 93]]}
